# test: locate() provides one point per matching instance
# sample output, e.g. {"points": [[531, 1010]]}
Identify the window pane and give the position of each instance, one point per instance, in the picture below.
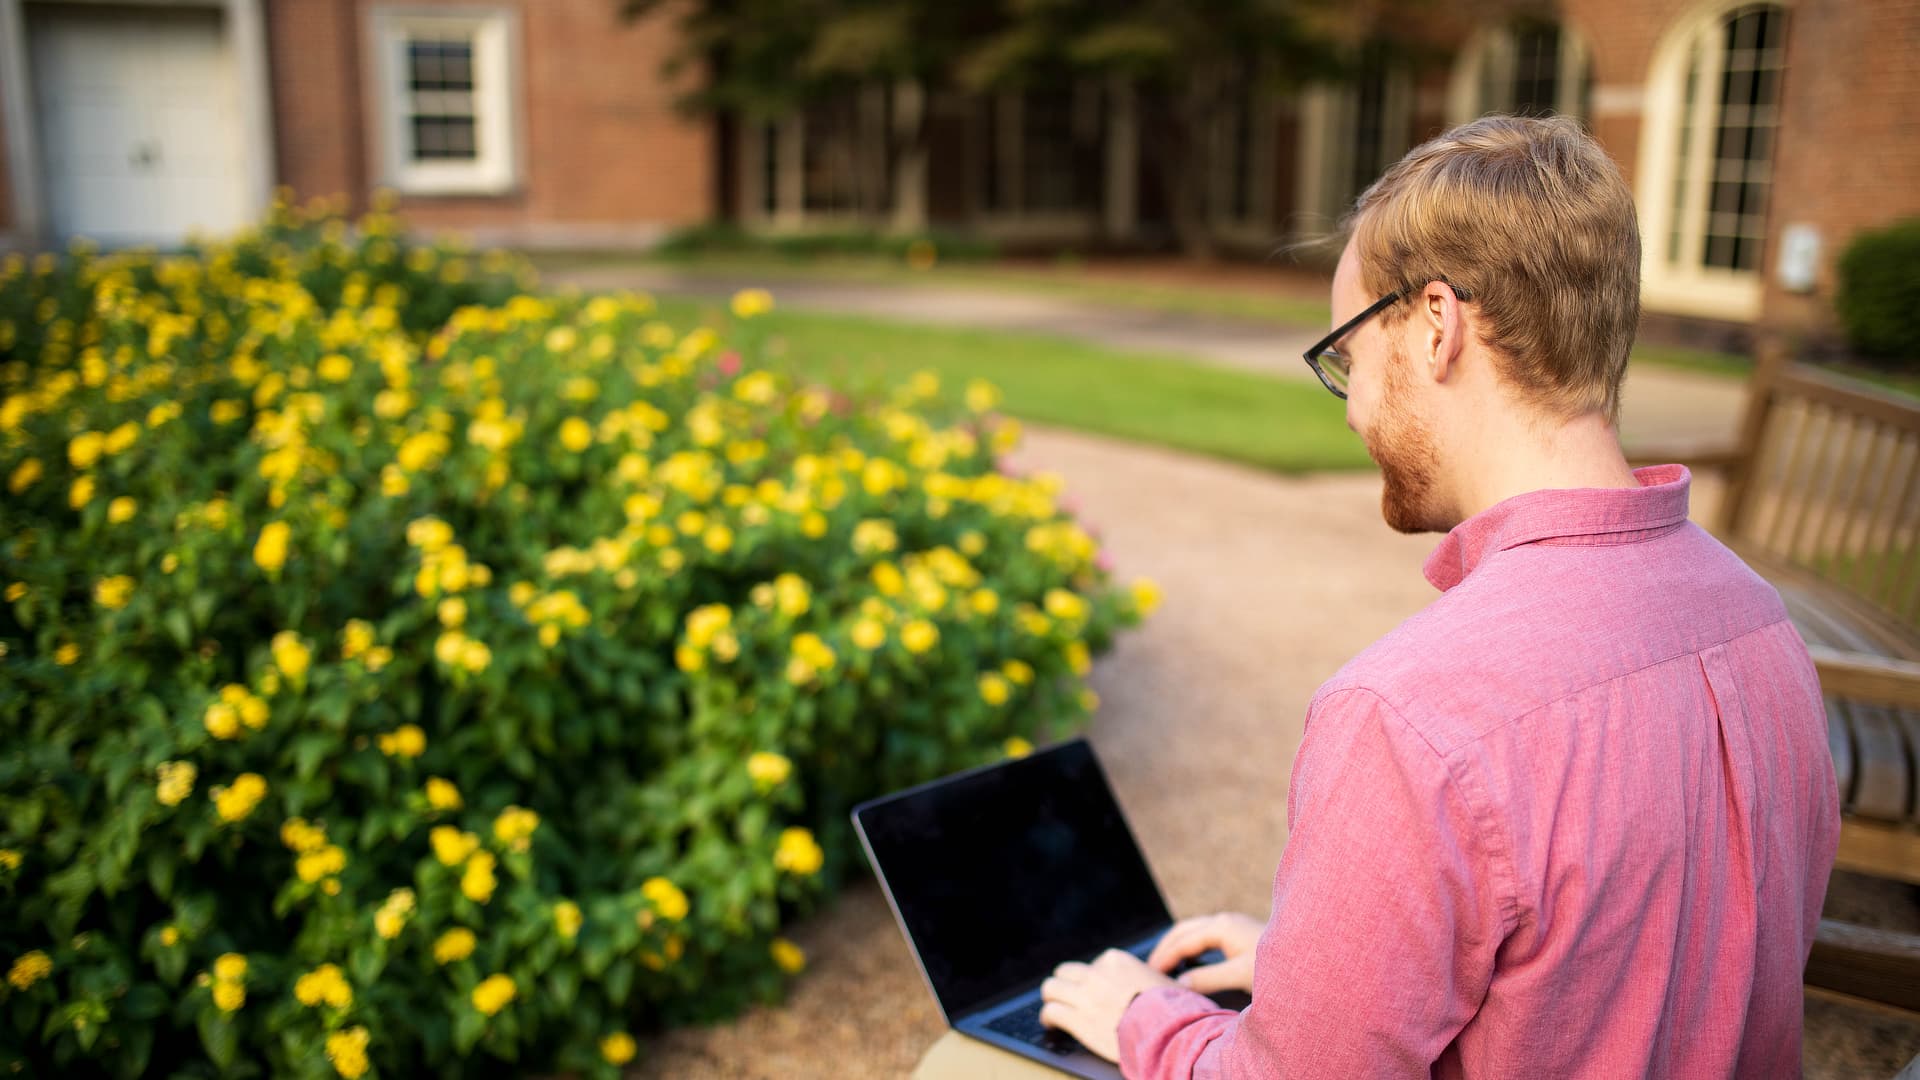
{"points": [[1743, 139], [1536, 69], [444, 138]]}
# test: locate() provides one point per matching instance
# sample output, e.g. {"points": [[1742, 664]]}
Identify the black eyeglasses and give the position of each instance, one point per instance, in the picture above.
{"points": [[1336, 368]]}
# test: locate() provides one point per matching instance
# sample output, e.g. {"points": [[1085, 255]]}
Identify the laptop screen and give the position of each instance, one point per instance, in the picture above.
{"points": [[1002, 874]]}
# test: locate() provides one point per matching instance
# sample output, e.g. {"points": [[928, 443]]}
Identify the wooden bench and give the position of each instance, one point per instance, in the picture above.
{"points": [[1822, 496]]}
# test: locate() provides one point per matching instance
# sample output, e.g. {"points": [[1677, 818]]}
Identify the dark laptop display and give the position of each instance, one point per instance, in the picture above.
{"points": [[1002, 874]]}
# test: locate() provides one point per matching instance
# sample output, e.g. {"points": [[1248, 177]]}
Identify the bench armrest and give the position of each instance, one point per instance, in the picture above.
{"points": [[1867, 679]]}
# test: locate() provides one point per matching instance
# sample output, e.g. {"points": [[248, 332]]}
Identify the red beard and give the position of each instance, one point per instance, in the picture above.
{"points": [[1402, 445]]}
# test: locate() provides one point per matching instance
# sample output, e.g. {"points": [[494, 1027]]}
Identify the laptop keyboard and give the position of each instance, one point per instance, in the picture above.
{"points": [[1024, 1024]]}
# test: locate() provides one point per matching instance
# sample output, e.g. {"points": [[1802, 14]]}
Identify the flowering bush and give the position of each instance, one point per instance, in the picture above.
{"points": [[404, 672]]}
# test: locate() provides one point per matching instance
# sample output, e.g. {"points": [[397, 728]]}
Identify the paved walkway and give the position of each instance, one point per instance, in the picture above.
{"points": [[1662, 406]]}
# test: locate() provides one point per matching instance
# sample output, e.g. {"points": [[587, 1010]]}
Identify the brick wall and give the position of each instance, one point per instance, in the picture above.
{"points": [[1849, 153], [604, 158]]}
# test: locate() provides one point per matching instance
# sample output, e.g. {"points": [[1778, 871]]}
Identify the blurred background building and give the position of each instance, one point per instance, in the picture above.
{"points": [[1759, 137]]}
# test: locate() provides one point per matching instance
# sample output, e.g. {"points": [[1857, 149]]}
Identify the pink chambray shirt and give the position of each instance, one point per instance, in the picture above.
{"points": [[1575, 819]]}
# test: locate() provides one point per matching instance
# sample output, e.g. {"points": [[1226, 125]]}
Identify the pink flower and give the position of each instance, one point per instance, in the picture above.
{"points": [[730, 364], [1103, 563]]}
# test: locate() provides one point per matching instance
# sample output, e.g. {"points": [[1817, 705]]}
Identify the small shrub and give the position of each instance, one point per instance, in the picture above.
{"points": [[1879, 293]]}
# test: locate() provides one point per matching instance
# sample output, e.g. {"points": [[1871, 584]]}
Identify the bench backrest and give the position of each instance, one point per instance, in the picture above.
{"points": [[1828, 483]]}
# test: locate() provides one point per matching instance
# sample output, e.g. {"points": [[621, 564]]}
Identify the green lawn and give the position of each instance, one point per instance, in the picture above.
{"points": [[1279, 424], [1061, 281]]}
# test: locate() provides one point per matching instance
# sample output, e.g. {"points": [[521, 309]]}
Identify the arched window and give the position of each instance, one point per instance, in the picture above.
{"points": [[1707, 159], [1530, 67]]}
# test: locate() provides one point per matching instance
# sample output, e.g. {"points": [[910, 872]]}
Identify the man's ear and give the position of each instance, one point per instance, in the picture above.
{"points": [[1443, 323]]}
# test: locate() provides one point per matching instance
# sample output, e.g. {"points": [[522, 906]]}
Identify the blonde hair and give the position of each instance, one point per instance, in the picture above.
{"points": [[1533, 222]]}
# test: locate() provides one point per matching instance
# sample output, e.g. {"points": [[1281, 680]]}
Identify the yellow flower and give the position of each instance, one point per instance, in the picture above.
{"points": [[226, 410], [291, 655], [685, 657], [1146, 596], [751, 303], [406, 741], [718, 539], [451, 846], [575, 434], [176, 781], [323, 985], [1078, 658], [787, 956], [229, 996], [85, 449], [1065, 606], [452, 612], [982, 395], [393, 482], [869, 634], [30, 969], [1018, 672], [355, 638], [768, 770], [984, 601], [121, 510], [81, 493], [298, 835], [814, 524], [618, 1048], [924, 384], [320, 863], [378, 657], [706, 623], [798, 853], [347, 1051], [334, 367], [919, 636], [887, 578], [1089, 700], [874, 535], [567, 919], [25, 475], [113, 593], [994, 689], [494, 994], [817, 654], [392, 916], [1017, 747], [442, 795], [120, 438], [453, 946], [230, 967], [666, 898], [170, 936], [515, 826], [478, 882], [236, 800]]}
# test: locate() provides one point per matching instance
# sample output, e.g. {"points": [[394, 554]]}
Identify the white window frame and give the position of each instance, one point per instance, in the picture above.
{"points": [[1256, 224], [495, 171], [1684, 286], [789, 212], [1014, 220], [1495, 46], [1324, 163]]}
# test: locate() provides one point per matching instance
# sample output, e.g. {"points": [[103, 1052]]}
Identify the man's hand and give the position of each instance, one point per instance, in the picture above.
{"points": [[1234, 935], [1087, 1000]]}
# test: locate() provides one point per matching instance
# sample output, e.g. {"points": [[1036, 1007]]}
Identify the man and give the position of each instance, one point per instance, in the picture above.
{"points": [[1576, 818]]}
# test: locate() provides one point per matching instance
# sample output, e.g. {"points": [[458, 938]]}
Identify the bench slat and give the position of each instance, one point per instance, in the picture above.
{"points": [[1840, 743], [1885, 779]]}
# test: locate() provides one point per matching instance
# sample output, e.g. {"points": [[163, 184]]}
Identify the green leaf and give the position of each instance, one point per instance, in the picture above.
{"points": [[219, 1036], [468, 1026], [309, 751], [181, 632], [366, 962], [563, 986], [161, 866], [619, 981]]}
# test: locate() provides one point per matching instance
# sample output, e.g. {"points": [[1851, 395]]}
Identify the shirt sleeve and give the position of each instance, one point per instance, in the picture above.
{"points": [[1386, 918]]}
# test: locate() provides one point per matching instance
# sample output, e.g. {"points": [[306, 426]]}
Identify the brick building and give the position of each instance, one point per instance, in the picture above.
{"points": [[1759, 136]]}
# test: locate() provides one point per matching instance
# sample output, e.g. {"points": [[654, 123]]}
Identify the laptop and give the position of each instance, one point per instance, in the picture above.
{"points": [[1000, 874]]}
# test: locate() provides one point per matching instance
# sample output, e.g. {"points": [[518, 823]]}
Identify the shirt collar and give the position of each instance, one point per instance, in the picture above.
{"points": [[1588, 515]]}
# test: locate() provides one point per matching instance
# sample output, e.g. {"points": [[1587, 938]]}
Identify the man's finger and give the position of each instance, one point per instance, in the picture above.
{"points": [[1057, 1015], [1055, 989], [1072, 971], [1235, 974], [1188, 938]]}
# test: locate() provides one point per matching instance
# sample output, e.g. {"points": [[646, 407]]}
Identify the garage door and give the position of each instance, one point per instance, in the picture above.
{"points": [[139, 122]]}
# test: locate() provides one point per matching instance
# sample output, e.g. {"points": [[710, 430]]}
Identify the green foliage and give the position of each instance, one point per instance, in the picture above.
{"points": [[1878, 299], [386, 695]]}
